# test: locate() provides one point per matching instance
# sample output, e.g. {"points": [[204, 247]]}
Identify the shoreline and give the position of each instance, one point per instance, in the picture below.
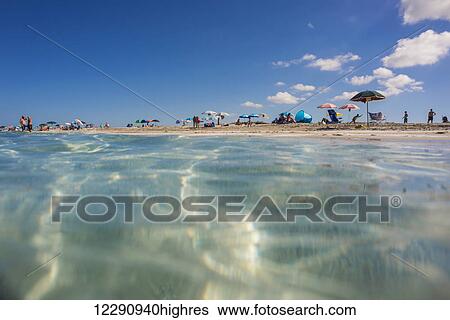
{"points": [[376, 132]]}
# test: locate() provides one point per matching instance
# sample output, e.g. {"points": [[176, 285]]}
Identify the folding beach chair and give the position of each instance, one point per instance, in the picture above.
{"points": [[377, 117], [333, 116]]}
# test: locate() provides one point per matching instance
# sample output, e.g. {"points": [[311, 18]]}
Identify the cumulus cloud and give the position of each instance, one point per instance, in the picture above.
{"points": [[310, 25], [308, 57], [325, 64], [346, 95], [288, 63], [280, 84], [303, 87], [392, 84], [398, 84], [380, 73], [425, 49], [414, 11], [283, 98], [335, 63], [361, 80], [249, 104]]}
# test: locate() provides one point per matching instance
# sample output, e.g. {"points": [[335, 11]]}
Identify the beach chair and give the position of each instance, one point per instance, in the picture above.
{"points": [[377, 117], [333, 116]]}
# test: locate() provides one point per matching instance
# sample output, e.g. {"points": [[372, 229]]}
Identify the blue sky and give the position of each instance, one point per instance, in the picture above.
{"points": [[191, 56]]}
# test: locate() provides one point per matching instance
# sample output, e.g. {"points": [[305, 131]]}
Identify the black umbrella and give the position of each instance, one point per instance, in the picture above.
{"points": [[367, 96]]}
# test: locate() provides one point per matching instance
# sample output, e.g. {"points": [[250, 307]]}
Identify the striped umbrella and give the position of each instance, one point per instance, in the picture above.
{"points": [[349, 107], [327, 106]]}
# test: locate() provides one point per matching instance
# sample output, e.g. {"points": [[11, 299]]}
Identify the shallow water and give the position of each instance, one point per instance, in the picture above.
{"points": [[409, 257]]}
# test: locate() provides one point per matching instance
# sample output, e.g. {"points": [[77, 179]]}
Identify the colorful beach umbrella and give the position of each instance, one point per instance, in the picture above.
{"points": [[349, 107], [366, 96], [327, 106], [209, 113]]}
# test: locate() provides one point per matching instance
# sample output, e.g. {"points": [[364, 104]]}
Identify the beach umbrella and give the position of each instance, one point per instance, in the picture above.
{"points": [[366, 96], [209, 113], [221, 115], [254, 115], [51, 122], [327, 106], [244, 116], [349, 107], [154, 120]]}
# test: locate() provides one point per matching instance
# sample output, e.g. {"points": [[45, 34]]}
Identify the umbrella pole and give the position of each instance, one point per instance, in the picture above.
{"points": [[367, 110]]}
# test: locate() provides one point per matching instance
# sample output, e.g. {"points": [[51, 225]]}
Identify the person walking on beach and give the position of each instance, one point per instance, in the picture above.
{"points": [[431, 115], [29, 123], [405, 117], [22, 123]]}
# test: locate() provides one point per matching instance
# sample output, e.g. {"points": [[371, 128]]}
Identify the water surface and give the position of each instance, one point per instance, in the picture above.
{"points": [[221, 261]]}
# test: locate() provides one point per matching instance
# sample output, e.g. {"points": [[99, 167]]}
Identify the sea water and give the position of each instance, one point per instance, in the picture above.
{"points": [[408, 257]]}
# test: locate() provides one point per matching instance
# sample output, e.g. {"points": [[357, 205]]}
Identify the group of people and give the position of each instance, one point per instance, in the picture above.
{"points": [[26, 123], [431, 115], [284, 119], [196, 121]]}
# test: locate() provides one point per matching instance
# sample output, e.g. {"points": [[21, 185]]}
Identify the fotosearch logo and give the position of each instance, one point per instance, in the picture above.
{"points": [[224, 208]]}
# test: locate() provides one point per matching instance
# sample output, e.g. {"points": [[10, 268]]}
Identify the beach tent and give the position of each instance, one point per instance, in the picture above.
{"points": [[303, 117]]}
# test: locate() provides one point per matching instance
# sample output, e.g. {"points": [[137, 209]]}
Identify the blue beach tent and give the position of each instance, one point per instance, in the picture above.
{"points": [[303, 117]]}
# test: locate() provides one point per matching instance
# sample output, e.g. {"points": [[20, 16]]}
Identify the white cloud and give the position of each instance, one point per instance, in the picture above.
{"points": [[280, 84], [288, 63], [345, 95], [425, 49], [308, 57], [283, 98], [324, 64], [335, 63], [417, 10], [249, 104], [303, 87], [380, 73], [400, 83], [362, 80], [310, 25]]}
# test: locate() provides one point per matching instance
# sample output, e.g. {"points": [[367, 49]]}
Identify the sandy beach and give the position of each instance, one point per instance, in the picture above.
{"points": [[343, 131]]}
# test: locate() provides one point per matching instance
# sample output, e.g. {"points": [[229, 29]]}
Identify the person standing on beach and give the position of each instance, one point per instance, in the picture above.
{"points": [[431, 115], [405, 117], [22, 123], [29, 123]]}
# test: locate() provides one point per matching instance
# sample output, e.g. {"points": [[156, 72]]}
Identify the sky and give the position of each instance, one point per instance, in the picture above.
{"points": [[235, 56]]}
